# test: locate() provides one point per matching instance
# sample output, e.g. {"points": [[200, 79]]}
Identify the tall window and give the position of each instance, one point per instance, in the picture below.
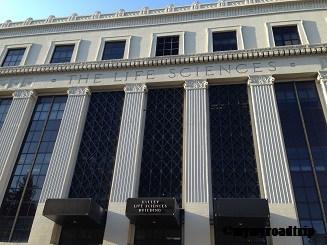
{"points": [[62, 53], [161, 166], [113, 50], [13, 57], [4, 107], [223, 41], [233, 165], [168, 45], [286, 35], [234, 169], [95, 162], [305, 135], [20, 201]]}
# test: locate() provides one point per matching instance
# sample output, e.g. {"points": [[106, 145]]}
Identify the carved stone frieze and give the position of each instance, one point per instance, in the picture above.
{"points": [[135, 88], [23, 94], [195, 84], [261, 80], [78, 91], [322, 76]]}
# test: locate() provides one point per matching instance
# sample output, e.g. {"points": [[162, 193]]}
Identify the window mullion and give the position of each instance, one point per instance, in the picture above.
{"points": [[30, 173]]}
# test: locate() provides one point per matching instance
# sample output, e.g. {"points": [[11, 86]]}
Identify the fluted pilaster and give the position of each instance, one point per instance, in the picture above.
{"points": [[272, 155], [12, 133], [196, 181], [61, 168], [127, 164], [272, 158]]}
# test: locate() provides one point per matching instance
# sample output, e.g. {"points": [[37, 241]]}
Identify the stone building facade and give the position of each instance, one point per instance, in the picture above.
{"points": [[165, 126]]}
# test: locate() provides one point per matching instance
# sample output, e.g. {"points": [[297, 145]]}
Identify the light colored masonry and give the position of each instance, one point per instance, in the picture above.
{"points": [[257, 62]]}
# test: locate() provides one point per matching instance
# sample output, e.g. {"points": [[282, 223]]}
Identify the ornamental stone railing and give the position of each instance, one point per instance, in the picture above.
{"points": [[170, 14]]}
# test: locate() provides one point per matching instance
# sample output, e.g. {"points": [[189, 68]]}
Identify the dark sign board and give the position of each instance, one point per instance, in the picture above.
{"points": [[163, 211]]}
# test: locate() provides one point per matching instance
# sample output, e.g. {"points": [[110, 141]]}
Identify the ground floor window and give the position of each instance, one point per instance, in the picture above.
{"points": [[22, 195], [305, 136]]}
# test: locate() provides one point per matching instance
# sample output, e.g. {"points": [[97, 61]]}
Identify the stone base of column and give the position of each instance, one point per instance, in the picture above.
{"points": [[284, 215], [44, 231], [197, 224], [117, 230]]}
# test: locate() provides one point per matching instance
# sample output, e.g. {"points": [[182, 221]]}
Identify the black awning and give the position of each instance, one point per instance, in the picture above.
{"points": [[153, 211], [250, 212], [233, 215], [74, 211]]}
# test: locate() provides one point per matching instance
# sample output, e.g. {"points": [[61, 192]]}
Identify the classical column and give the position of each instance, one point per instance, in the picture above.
{"points": [[62, 163], [196, 166], [126, 174], [271, 156], [12, 134]]}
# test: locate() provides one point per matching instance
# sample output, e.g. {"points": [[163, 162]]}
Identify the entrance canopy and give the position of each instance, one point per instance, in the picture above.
{"points": [[247, 212], [83, 211], [236, 219]]}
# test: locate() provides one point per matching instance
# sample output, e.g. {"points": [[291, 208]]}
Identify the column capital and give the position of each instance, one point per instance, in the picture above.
{"points": [[24, 94], [79, 91], [195, 84], [322, 76], [135, 88], [258, 80]]}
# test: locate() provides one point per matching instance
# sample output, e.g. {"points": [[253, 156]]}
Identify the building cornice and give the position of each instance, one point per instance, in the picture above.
{"points": [[147, 17], [240, 55]]}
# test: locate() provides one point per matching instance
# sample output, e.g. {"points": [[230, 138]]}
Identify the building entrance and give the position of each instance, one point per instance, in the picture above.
{"points": [[81, 235], [157, 235]]}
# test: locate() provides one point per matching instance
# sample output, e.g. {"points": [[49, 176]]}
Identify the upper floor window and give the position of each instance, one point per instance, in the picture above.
{"points": [[4, 107], [114, 50], [286, 35], [168, 45], [13, 57], [62, 53], [223, 41]]}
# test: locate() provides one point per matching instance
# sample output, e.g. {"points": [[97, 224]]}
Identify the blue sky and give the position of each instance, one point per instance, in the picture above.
{"points": [[19, 10]]}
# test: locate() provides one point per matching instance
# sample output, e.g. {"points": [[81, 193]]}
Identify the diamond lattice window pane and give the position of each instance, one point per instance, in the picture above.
{"points": [[161, 168], [234, 171]]}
